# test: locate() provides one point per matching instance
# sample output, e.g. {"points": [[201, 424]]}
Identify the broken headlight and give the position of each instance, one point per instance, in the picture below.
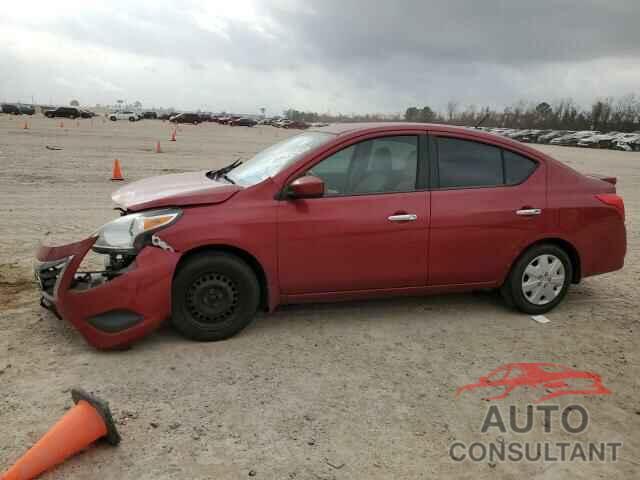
{"points": [[129, 233]]}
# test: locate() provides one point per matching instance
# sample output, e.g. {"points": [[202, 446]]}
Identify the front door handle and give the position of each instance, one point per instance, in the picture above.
{"points": [[528, 212], [404, 217]]}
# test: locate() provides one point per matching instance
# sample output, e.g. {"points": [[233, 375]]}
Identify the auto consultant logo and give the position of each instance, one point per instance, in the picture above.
{"points": [[556, 379]]}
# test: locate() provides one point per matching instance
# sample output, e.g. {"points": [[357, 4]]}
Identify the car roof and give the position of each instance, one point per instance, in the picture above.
{"points": [[340, 129]]}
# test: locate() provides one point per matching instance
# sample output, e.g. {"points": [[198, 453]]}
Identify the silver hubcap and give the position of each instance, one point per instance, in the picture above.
{"points": [[543, 279]]}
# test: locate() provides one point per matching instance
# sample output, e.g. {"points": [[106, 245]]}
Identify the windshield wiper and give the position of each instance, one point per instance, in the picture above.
{"points": [[227, 178], [222, 172]]}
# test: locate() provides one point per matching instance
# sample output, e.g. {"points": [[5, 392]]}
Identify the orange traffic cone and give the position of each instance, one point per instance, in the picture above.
{"points": [[173, 136], [26, 126], [158, 150], [89, 420], [117, 172]]}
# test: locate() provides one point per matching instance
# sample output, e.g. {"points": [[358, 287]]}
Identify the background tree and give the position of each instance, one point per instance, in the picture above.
{"points": [[412, 114], [427, 115]]}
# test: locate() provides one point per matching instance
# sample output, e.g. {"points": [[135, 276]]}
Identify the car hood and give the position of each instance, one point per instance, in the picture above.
{"points": [[181, 189]]}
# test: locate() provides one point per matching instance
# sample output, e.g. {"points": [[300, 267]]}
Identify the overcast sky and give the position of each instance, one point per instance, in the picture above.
{"points": [[327, 55]]}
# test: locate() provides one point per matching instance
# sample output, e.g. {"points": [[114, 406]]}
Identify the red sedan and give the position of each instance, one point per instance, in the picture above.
{"points": [[343, 212]]}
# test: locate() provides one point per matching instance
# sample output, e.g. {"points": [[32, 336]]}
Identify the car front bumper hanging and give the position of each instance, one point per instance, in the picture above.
{"points": [[113, 312]]}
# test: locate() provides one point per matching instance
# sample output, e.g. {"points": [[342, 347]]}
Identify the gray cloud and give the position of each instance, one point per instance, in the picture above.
{"points": [[352, 56]]}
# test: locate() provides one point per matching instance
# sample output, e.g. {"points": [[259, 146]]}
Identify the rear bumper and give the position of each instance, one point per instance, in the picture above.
{"points": [[108, 313]]}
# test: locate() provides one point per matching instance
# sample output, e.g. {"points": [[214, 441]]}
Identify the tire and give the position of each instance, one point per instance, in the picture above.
{"points": [[113, 119], [132, 119], [214, 296], [543, 293]]}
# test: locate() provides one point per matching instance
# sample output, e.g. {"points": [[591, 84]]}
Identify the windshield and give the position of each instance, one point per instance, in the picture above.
{"points": [[274, 159]]}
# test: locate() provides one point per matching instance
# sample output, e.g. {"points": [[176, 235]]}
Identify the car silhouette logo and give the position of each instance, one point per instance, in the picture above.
{"points": [[554, 378]]}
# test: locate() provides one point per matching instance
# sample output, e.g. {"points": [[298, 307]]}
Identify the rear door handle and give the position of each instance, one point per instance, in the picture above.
{"points": [[528, 212], [404, 217]]}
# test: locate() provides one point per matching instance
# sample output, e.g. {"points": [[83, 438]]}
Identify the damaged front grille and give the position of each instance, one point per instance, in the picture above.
{"points": [[47, 274], [115, 264]]}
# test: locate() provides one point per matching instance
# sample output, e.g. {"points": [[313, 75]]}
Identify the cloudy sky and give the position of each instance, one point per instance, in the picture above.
{"points": [[349, 56]]}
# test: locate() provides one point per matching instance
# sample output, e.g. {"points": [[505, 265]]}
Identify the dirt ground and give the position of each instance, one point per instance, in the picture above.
{"points": [[353, 390]]}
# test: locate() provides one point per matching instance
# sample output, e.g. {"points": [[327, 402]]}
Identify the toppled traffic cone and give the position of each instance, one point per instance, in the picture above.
{"points": [[173, 136], [158, 149], [89, 420], [117, 171]]}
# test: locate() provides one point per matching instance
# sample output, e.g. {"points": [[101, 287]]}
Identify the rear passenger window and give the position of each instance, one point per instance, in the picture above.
{"points": [[517, 168], [463, 163]]}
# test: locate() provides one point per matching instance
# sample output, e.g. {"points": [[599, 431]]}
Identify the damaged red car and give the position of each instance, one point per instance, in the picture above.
{"points": [[343, 212]]}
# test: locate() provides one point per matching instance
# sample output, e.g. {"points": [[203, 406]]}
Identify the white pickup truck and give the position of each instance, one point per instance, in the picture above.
{"points": [[123, 115]]}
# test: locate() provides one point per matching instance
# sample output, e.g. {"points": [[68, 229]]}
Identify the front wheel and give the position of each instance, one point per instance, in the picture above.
{"points": [[539, 280], [215, 295]]}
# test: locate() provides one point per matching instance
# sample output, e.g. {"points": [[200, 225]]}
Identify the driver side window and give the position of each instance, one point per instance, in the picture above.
{"points": [[334, 171], [381, 165]]}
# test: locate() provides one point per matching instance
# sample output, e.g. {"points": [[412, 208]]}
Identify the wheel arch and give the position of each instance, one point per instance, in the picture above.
{"points": [[567, 246], [244, 255]]}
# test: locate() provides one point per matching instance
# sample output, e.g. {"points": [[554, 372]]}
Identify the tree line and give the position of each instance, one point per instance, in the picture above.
{"points": [[604, 114]]}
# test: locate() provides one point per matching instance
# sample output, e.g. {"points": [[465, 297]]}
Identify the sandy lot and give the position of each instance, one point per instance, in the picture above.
{"points": [[351, 390]]}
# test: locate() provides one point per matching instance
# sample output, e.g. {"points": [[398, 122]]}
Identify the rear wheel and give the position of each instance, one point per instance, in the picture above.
{"points": [[539, 280], [215, 295]]}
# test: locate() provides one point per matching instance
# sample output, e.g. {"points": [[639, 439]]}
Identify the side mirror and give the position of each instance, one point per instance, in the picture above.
{"points": [[306, 187]]}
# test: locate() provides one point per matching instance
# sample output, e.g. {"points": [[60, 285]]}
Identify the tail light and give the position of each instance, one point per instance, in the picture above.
{"points": [[612, 200]]}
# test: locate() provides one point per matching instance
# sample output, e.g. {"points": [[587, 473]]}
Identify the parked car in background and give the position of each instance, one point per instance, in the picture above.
{"points": [[628, 142], [149, 115], [533, 135], [572, 139], [243, 122], [343, 212], [282, 123], [193, 118], [26, 109], [166, 115], [601, 140], [87, 113], [10, 108], [228, 120], [547, 137], [299, 124], [123, 115], [63, 112]]}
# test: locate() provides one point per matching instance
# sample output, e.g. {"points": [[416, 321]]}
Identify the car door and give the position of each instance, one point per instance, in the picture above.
{"points": [[487, 204], [369, 230]]}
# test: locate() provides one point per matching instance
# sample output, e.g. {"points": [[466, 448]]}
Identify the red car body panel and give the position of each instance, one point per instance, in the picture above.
{"points": [[145, 291], [340, 248], [180, 189]]}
